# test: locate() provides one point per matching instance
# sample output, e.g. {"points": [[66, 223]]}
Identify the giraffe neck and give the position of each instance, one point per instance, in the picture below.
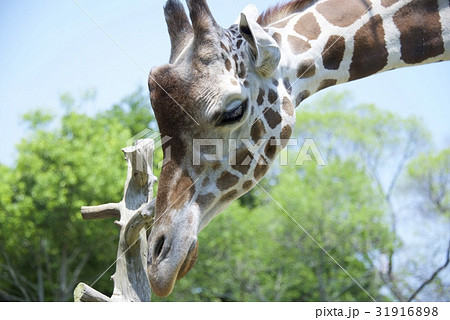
{"points": [[337, 41]]}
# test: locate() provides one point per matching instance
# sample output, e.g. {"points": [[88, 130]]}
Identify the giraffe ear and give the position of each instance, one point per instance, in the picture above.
{"points": [[180, 30], [250, 11], [263, 47]]}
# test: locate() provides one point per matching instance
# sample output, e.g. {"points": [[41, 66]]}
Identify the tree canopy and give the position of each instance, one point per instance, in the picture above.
{"points": [[306, 233], [44, 244]]}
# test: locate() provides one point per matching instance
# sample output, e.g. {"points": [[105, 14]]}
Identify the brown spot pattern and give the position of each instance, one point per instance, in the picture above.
{"points": [[180, 196], [226, 181], [205, 200], [242, 71], [273, 118], [257, 131], [298, 45], [271, 148], [333, 53], [247, 185], [260, 99], [229, 196], [287, 85], [198, 169], [326, 83], [260, 171], [287, 106], [215, 165], [302, 96], [286, 133], [307, 26], [242, 157], [420, 31], [306, 69], [236, 59], [388, 3], [222, 45], [277, 37], [281, 24], [343, 13], [370, 54], [228, 64], [273, 96]]}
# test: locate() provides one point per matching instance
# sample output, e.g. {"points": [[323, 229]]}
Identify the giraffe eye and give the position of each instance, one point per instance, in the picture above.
{"points": [[234, 115]]}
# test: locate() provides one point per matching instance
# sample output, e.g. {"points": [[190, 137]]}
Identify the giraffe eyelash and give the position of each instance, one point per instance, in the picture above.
{"points": [[234, 115]]}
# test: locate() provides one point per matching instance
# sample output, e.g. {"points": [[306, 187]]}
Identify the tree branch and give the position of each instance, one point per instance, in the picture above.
{"points": [[84, 293], [433, 276], [14, 276], [110, 210], [9, 297], [76, 273], [134, 213], [142, 218]]}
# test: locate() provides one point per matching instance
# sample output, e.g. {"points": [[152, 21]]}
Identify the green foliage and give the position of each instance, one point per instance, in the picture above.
{"points": [[375, 137], [133, 112], [274, 244], [38, 118], [45, 245], [263, 255], [429, 179], [267, 245]]}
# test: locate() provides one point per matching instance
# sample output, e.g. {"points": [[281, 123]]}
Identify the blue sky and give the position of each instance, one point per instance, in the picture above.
{"points": [[51, 47]]}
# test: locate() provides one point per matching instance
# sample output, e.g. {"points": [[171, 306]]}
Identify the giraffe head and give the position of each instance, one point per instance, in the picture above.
{"points": [[225, 115]]}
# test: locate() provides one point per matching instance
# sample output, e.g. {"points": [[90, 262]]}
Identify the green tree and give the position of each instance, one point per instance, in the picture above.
{"points": [[427, 183], [429, 178], [367, 151], [262, 255], [255, 251], [133, 112], [381, 142], [45, 246]]}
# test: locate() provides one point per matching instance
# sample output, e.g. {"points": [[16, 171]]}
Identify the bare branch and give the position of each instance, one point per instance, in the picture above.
{"points": [[398, 171], [9, 297], [84, 293], [134, 213], [14, 276], [433, 276], [138, 221], [78, 269], [391, 282], [110, 210]]}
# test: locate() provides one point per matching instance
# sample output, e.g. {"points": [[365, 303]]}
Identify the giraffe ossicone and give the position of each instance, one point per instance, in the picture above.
{"points": [[241, 85]]}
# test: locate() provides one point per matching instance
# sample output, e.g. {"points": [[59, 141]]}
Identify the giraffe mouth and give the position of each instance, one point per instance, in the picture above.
{"points": [[171, 256], [164, 273], [190, 260]]}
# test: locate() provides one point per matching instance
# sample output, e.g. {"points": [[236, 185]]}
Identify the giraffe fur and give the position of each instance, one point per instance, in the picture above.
{"points": [[240, 85]]}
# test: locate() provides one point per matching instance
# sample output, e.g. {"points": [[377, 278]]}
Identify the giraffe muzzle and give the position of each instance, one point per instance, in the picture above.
{"points": [[172, 253]]}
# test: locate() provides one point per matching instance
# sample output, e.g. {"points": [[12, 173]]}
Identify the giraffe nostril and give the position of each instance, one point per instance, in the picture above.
{"points": [[158, 247]]}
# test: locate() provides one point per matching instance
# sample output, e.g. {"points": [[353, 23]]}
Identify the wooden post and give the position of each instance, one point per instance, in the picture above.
{"points": [[135, 213]]}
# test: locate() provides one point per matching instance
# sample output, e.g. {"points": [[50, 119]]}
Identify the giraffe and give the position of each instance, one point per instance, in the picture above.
{"points": [[241, 85]]}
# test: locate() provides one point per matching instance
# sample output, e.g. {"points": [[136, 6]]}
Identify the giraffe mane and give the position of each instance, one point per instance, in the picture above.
{"points": [[284, 10]]}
